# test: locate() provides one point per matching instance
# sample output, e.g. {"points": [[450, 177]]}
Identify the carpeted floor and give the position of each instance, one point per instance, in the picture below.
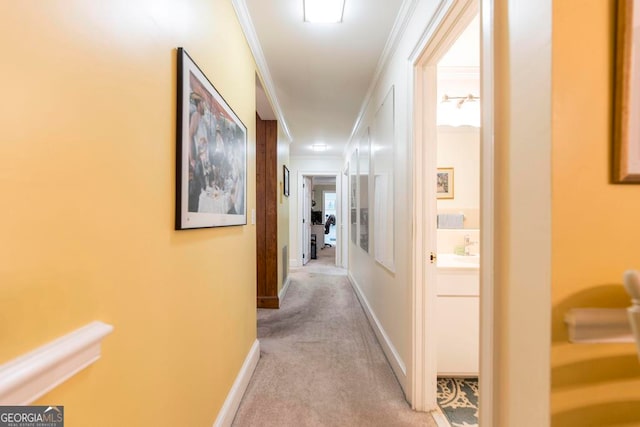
{"points": [[320, 362]]}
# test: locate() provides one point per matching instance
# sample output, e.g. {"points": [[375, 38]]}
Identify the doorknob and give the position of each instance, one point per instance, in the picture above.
{"points": [[433, 257]]}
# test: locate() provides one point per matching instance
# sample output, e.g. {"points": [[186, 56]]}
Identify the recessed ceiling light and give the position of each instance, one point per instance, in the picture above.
{"points": [[319, 147], [323, 11]]}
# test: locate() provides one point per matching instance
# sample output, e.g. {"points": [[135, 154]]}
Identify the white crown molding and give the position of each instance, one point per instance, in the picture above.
{"points": [[28, 377], [232, 402], [443, 8], [250, 34], [397, 31]]}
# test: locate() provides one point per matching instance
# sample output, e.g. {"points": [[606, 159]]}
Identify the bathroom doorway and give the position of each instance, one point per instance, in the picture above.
{"points": [[457, 181], [447, 210]]}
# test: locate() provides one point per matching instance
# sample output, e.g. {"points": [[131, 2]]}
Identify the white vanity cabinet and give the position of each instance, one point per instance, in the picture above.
{"points": [[458, 317]]}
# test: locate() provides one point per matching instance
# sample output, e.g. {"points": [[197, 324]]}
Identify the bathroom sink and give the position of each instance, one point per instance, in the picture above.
{"points": [[471, 259], [460, 261]]}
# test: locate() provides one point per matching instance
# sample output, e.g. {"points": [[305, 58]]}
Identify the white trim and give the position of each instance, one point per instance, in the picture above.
{"points": [[232, 402], [242, 11], [440, 418], [436, 20], [295, 263], [28, 377], [389, 349], [486, 391], [284, 289], [397, 31], [448, 21], [424, 295]]}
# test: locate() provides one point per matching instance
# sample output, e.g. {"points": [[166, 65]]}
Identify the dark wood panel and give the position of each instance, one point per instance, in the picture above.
{"points": [[271, 132], [267, 212], [268, 302], [260, 207]]}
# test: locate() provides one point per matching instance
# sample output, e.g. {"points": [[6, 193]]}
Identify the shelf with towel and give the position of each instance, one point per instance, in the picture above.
{"points": [[608, 325], [450, 220], [598, 325]]}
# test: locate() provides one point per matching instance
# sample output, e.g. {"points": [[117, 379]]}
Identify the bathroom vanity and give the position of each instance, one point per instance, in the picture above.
{"points": [[458, 315]]}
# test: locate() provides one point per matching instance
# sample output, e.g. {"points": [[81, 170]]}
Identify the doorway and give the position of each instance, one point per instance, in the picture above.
{"points": [[447, 205], [320, 211]]}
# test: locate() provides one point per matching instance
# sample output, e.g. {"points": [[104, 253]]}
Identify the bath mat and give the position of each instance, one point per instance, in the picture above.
{"points": [[458, 399]]}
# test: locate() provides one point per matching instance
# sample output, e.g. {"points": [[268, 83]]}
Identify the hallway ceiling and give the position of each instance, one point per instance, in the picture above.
{"points": [[321, 73]]}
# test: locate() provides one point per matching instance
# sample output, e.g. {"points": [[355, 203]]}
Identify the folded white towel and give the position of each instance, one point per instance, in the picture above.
{"points": [[450, 221]]}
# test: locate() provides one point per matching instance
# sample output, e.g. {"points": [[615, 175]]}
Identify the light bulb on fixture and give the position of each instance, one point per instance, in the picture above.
{"points": [[319, 147]]}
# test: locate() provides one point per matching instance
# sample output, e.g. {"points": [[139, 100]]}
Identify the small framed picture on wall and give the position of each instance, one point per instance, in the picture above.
{"points": [[445, 183]]}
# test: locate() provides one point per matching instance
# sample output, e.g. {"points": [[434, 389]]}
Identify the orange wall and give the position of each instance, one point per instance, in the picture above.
{"points": [[87, 142], [595, 224]]}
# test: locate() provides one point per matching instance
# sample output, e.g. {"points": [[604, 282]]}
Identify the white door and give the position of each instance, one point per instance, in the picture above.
{"points": [[306, 221]]}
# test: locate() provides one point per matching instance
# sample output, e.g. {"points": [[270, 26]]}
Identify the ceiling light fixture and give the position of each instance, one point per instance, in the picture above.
{"points": [[319, 147], [323, 11]]}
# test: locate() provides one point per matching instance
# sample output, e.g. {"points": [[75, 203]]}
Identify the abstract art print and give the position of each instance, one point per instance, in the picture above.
{"points": [[211, 160]]}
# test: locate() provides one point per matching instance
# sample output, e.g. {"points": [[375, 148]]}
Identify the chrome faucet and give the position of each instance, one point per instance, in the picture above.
{"points": [[467, 244]]}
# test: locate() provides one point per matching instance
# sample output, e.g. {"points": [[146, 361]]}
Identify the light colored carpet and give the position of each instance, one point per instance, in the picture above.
{"points": [[320, 362]]}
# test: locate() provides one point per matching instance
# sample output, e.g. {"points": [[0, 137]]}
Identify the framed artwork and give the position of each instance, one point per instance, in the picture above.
{"points": [[353, 195], [445, 183], [211, 160], [285, 179], [364, 160], [626, 134]]}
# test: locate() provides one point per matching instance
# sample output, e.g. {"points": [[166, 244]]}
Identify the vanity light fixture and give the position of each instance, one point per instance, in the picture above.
{"points": [[319, 147], [323, 11], [461, 99]]}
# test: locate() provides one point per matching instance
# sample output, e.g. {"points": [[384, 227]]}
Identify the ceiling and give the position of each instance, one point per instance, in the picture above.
{"points": [[318, 74]]}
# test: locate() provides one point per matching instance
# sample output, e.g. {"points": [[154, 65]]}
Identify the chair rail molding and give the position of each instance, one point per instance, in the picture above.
{"points": [[30, 376]]}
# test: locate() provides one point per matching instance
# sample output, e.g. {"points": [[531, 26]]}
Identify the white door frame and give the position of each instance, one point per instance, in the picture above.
{"points": [[339, 219], [306, 220], [448, 22], [487, 392]]}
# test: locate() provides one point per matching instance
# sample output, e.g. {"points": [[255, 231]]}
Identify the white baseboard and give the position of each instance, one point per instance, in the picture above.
{"points": [[439, 417], [28, 377], [284, 289], [232, 402], [389, 349]]}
